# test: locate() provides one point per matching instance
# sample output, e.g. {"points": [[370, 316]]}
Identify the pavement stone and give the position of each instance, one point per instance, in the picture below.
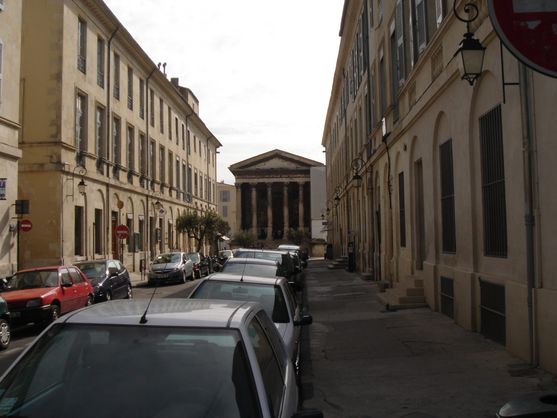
{"points": [[359, 360]]}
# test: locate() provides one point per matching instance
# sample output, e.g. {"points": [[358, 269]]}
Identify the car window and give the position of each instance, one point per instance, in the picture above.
{"points": [[206, 373], [65, 276], [120, 266], [34, 279], [244, 254], [112, 265], [268, 295], [76, 277], [194, 257], [268, 364], [93, 269], [243, 269], [290, 298]]}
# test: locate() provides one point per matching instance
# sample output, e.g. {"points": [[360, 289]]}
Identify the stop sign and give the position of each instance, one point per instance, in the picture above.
{"points": [[25, 225], [528, 30], [122, 231]]}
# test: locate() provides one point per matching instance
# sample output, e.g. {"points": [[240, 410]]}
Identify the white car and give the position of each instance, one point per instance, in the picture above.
{"points": [[161, 358], [170, 267], [274, 294]]}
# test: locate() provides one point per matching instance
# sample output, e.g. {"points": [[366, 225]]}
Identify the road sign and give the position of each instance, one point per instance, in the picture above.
{"points": [[122, 231], [527, 28], [25, 225]]}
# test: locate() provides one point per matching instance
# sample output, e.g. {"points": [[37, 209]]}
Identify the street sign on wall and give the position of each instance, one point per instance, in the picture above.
{"points": [[528, 28], [122, 231], [25, 225]]}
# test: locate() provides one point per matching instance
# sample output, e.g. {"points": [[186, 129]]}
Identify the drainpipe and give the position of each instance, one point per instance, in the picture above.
{"points": [[107, 144], [528, 159], [147, 221]]}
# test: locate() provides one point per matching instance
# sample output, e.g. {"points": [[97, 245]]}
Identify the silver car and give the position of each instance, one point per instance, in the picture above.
{"points": [[161, 358], [274, 294], [170, 267]]}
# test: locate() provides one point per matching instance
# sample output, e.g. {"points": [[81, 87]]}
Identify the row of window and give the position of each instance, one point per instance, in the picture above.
{"points": [[493, 190], [172, 169], [174, 126]]}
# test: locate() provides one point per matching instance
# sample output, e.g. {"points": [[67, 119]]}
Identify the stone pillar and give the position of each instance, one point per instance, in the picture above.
{"points": [[239, 205], [285, 209], [300, 205], [269, 211], [254, 208]]}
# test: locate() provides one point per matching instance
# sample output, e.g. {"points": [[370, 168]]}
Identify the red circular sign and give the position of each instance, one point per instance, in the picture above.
{"points": [[527, 28], [122, 231], [25, 225]]}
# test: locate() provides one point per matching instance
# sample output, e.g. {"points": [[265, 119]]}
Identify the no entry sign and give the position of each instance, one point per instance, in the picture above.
{"points": [[25, 225], [528, 28], [122, 231]]}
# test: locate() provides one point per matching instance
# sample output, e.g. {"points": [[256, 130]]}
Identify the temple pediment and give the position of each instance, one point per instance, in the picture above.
{"points": [[275, 160]]}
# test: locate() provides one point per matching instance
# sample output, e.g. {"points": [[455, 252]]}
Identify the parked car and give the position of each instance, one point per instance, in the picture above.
{"points": [[290, 267], [220, 359], [301, 252], [109, 278], [41, 295], [201, 266], [5, 329], [274, 295], [171, 267], [252, 267]]}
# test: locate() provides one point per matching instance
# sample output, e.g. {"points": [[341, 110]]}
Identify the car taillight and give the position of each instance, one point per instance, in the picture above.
{"points": [[196, 266]]}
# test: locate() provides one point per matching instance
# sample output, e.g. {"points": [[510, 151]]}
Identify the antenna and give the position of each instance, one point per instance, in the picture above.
{"points": [[143, 319]]}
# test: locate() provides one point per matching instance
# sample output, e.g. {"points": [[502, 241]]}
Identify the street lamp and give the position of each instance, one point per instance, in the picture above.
{"points": [[471, 50], [81, 186], [357, 164]]}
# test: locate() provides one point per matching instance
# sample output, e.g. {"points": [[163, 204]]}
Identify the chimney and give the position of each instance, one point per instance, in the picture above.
{"points": [[175, 81]]}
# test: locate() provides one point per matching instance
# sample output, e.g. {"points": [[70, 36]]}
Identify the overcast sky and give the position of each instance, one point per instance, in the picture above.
{"points": [[262, 70]]}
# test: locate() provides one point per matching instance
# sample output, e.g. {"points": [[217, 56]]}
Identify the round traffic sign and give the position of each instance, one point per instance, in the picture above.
{"points": [[527, 28], [25, 225], [122, 231]]}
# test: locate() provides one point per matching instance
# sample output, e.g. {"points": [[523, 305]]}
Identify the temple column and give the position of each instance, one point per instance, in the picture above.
{"points": [[285, 209], [300, 206], [254, 208], [269, 211]]}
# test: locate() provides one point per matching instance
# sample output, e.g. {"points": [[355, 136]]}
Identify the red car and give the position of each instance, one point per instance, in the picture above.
{"points": [[41, 295]]}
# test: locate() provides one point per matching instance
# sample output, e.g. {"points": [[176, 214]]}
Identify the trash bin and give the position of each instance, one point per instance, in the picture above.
{"points": [[533, 405]]}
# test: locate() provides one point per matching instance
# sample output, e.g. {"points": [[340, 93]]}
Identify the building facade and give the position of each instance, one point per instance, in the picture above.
{"points": [[10, 130], [226, 200], [273, 194], [107, 140], [431, 179]]}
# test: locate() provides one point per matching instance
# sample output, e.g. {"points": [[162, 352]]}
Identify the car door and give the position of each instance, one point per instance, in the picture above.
{"points": [[81, 288], [68, 294], [188, 265], [276, 371], [112, 279], [122, 280]]}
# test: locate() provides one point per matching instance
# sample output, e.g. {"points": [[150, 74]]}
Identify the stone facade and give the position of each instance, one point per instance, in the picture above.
{"points": [[444, 166], [10, 131], [99, 112], [273, 194]]}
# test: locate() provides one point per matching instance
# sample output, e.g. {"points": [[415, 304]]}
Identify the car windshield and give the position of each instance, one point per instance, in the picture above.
{"points": [[168, 258], [166, 371], [33, 280], [193, 257], [93, 270], [268, 295], [257, 270]]}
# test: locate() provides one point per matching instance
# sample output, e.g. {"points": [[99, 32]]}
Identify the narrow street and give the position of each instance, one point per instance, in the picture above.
{"points": [[362, 361]]}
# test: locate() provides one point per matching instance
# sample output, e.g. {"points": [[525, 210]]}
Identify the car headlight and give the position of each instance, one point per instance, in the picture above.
{"points": [[33, 303]]}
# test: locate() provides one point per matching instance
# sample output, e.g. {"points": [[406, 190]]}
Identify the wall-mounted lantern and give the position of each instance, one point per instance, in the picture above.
{"points": [[471, 50]]}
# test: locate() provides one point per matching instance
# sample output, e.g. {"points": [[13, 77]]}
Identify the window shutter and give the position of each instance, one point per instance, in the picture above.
{"points": [[1, 52]]}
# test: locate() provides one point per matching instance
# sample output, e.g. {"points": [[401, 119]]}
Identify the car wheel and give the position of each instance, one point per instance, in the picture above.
{"points": [[54, 312], [108, 296], [89, 300], [129, 295], [5, 334]]}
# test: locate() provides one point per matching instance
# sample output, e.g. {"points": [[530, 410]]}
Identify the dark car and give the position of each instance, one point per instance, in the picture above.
{"points": [[201, 264], [109, 278], [171, 267], [289, 266], [5, 332]]}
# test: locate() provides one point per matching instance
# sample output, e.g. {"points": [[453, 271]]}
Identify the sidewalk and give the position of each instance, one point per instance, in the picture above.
{"points": [[137, 280], [367, 362]]}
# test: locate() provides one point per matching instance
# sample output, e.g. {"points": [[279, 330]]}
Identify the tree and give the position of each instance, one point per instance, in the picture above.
{"points": [[200, 227], [298, 236], [245, 239]]}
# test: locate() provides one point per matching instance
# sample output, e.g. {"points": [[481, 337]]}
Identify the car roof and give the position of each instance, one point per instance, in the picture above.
{"points": [[203, 313], [104, 260], [288, 247], [170, 252], [225, 277], [43, 268], [250, 260]]}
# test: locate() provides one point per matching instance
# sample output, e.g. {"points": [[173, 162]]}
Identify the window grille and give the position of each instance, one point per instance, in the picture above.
{"points": [[447, 197]]}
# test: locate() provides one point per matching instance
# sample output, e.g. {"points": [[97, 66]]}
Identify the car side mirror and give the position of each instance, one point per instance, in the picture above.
{"points": [[306, 319], [308, 413]]}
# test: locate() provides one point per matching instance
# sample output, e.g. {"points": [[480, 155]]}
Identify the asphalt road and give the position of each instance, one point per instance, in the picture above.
{"points": [[23, 336]]}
